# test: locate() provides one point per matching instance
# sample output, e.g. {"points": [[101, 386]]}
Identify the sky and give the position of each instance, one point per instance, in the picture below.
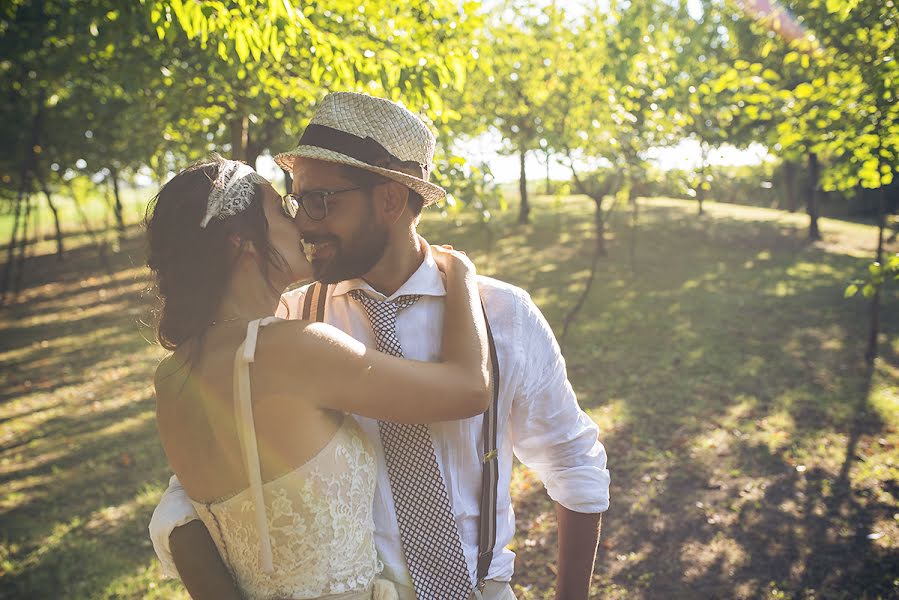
{"points": [[484, 149]]}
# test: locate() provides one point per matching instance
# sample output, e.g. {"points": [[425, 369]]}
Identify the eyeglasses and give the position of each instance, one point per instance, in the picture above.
{"points": [[314, 202]]}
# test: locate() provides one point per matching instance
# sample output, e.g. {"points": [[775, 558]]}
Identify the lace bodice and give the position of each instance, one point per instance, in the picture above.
{"points": [[308, 533]]}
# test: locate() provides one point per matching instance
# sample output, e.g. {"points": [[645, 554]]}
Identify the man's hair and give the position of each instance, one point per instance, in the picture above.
{"points": [[366, 178]]}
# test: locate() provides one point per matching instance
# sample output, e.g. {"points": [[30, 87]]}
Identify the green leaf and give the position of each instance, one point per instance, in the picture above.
{"points": [[240, 45], [804, 90], [851, 290]]}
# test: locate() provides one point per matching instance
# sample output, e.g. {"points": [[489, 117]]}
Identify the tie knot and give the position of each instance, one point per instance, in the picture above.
{"points": [[373, 305]]}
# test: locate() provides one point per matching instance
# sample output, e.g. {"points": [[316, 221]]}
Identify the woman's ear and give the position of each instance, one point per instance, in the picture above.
{"points": [[238, 245]]}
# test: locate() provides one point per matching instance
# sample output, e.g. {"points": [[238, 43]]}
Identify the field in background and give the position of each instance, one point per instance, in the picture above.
{"points": [[752, 454]]}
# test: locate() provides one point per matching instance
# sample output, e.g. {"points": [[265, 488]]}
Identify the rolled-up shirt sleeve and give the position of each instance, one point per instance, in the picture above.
{"points": [[174, 510], [550, 432]]}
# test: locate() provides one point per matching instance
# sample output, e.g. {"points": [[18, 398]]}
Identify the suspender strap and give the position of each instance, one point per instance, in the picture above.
{"points": [[490, 472], [314, 302]]}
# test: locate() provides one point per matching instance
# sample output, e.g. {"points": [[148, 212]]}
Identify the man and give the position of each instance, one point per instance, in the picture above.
{"points": [[361, 175]]}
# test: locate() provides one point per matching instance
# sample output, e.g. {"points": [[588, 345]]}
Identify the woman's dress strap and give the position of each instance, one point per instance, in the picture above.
{"points": [[246, 432]]}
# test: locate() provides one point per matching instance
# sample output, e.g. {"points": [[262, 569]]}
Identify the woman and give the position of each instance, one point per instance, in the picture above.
{"points": [[223, 246]]}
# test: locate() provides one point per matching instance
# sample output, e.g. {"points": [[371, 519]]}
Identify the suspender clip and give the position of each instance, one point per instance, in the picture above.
{"points": [[490, 455]]}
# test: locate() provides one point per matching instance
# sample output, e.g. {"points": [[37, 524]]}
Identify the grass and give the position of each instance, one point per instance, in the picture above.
{"points": [[752, 454]]}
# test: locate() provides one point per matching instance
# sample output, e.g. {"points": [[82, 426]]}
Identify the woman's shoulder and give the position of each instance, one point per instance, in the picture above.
{"points": [[296, 335], [171, 373]]}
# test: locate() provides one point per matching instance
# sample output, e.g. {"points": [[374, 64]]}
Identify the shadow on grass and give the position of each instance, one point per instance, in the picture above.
{"points": [[726, 375], [731, 368]]}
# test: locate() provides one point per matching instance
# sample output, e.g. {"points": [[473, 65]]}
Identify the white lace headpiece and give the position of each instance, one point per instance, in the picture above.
{"points": [[232, 191]]}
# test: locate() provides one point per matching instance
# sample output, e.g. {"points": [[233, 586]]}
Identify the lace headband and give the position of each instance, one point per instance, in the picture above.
{"points": [[232, 191]]}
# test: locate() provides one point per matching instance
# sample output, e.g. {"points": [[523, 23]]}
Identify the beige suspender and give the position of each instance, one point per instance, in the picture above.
{"points": [[314, 310], [314, 302]]}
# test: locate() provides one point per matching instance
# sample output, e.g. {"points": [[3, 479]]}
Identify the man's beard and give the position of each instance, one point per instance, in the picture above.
{"points": [[352, 259]]}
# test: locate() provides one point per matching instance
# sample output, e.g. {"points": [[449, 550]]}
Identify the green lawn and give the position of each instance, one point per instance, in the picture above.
{"points": [[752, 455]]}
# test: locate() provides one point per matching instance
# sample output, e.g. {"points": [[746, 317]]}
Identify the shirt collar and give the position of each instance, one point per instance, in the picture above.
{"points": [[425, 281]]}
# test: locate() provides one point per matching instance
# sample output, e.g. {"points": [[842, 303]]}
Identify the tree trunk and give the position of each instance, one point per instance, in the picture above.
{"points": [[635, 219], [11, 249], [791, 176], [85, 223], [548, 184], [700, 189], [598, 252], [56, 225], [599, 227], [524, 209], [811, 199], [240, 128], [117, 209], [29, 162], [23, 245], [874, 326]]}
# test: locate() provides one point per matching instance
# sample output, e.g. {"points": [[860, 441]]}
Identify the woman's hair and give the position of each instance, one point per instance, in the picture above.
{"points": [[192, 266]]}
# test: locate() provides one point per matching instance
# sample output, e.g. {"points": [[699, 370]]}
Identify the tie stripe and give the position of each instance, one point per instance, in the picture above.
{"points": [[430, 538]]}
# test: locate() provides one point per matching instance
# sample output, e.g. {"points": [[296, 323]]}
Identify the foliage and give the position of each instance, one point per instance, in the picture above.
{"points": [[876, 276]]}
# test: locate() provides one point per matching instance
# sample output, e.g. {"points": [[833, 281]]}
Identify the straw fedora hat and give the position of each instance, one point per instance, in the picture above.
{"points": [[372, 134]]}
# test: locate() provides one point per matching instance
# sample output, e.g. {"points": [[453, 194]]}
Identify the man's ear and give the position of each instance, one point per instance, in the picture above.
{"points": [[392, 203]]}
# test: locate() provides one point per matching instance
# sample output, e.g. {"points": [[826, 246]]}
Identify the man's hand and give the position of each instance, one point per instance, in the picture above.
{"points": [[578, 538], [202, 570]]}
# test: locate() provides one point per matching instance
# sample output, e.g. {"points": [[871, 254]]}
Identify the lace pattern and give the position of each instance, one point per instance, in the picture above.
{"points": [[320, 521], [232, 191]]}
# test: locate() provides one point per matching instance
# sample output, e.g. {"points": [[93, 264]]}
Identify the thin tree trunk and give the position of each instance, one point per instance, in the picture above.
{"points": [[599, 228], [11, 248], [240, 128], [118, 209], [811, 200], [23, 245], [85, 223], [29, 163], [874, 326], [790, 175], [99, 243], [524, 209], [635, 220], [56, 225], [548, 185], [599, 251], [700, 189]]}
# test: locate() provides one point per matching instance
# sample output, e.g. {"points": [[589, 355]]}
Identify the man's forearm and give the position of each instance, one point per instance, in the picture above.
{"points": [[199, 564], [578, 538]]}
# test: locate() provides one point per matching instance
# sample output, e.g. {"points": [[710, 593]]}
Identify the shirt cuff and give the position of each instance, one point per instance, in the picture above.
{"points": [[174, 510], [583, 488]]}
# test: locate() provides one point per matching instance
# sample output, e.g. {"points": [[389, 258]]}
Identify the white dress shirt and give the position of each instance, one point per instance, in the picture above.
{"points": [[539, 421]]}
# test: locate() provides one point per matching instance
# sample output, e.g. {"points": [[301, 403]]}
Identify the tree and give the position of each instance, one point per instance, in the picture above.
{"points": [[513, 89]]}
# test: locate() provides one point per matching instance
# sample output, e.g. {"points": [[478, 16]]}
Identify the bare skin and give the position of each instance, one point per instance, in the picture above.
{"points": [[578, 539], [578, 533], [306, 375]]}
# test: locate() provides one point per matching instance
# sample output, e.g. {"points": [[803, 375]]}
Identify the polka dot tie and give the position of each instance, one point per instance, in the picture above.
{"points": [[428, 530]]}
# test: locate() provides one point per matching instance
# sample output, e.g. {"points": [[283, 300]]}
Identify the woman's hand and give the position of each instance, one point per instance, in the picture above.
{"points": [[451, 261]]}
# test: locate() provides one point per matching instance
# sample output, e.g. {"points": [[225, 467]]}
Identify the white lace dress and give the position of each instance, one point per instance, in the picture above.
{"points": [[308, 533]]}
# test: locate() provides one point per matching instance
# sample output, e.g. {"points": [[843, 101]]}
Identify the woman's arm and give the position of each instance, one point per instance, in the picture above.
{"points": [[337, 372]]}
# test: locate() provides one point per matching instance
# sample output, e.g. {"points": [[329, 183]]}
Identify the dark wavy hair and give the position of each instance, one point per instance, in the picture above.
{"points": [[191, 265]]}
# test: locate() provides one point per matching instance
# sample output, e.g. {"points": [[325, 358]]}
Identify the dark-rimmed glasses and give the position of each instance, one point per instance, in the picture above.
{"points": [[314, 202]]}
